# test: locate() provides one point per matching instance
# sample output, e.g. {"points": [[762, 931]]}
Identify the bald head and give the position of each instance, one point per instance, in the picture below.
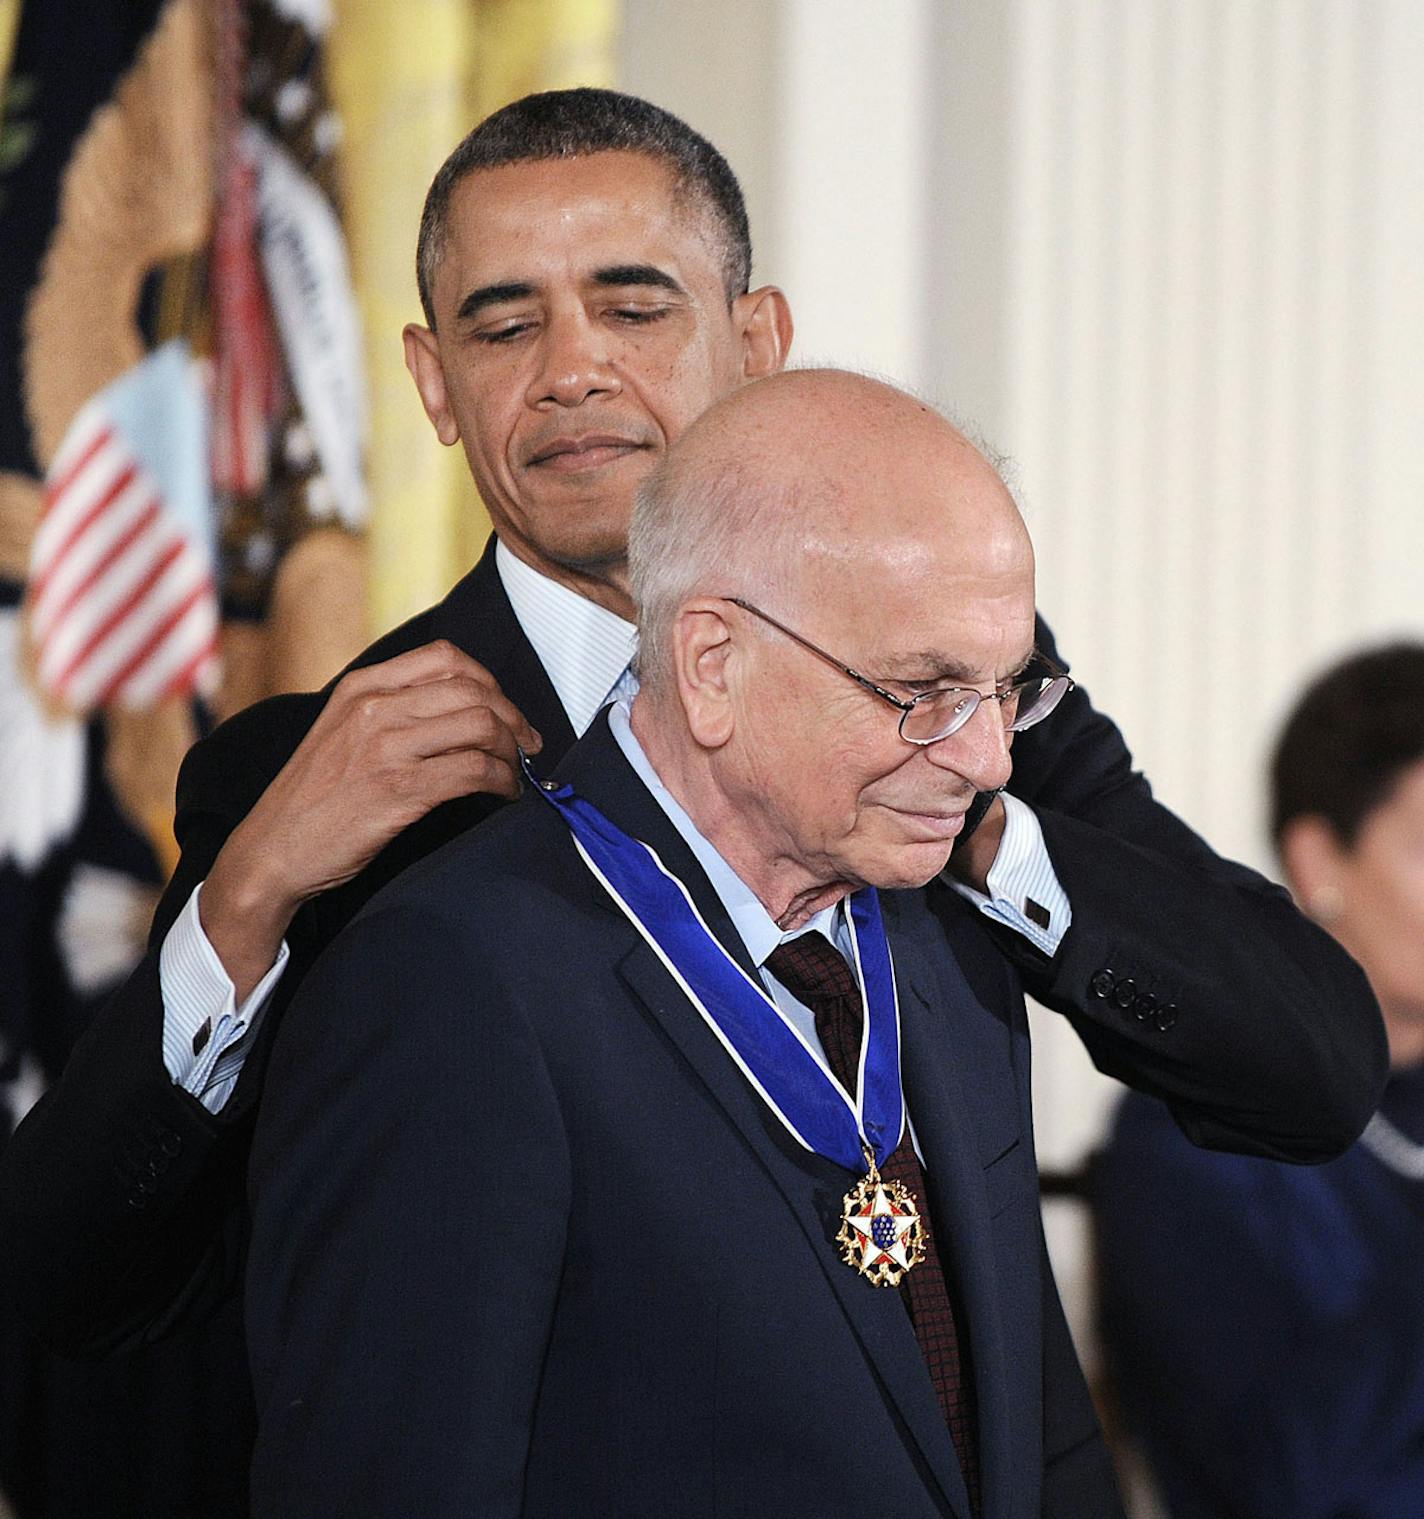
{"points": [[811, 485]]}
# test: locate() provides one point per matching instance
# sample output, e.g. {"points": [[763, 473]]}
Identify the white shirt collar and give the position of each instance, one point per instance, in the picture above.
{"points": [[583, 647], [759, 931]]}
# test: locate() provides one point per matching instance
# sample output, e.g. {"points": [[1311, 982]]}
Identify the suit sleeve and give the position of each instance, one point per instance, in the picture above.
{"points": [[119, 1191], [411, 1187], [1186, 975]]}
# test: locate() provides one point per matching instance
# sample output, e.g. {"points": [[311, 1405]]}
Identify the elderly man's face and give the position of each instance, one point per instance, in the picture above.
{"points": [[848, 798], [582, 324]]}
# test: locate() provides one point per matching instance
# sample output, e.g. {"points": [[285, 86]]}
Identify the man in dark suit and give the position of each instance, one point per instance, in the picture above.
{"points": [[584, 269], [525, 1236]]}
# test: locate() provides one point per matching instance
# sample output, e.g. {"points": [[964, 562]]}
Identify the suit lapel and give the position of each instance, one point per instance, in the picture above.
{"points": [[812, 1187], [935, 1021], [598, 771], [476, 616]]}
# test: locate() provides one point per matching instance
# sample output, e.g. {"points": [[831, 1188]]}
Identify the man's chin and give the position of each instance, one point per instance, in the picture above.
{"points": [[591, 548], [907, 867]]}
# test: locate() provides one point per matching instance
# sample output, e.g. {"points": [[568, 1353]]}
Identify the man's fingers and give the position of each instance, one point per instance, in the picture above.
{"points": [[466, 772], [438, 698], [433, 679], [477, 729], [431, 661]]}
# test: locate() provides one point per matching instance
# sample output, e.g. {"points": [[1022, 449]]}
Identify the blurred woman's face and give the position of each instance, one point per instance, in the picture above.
{"points": [[1380, 916]]}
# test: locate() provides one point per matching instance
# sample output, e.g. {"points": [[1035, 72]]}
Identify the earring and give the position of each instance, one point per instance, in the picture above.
{"points": [[1326, 904]]}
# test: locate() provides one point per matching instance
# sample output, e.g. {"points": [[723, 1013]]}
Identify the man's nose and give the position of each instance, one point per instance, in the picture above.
{"points": [[979, 751], [575, 363]]}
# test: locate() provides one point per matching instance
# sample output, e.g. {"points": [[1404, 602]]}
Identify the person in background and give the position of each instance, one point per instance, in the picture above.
{"points": [[1264, 1323]]}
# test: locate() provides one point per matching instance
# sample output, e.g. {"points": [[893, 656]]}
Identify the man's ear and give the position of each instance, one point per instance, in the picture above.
{"points": [[764, 319], [422, 358], [1313, 863], [702, 660]]}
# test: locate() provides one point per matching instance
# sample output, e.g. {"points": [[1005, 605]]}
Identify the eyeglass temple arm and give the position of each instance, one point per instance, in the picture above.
{"points": [[820, 653]]}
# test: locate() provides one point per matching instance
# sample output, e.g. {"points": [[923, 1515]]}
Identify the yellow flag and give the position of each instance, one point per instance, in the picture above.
{"points": [[410, 81]]}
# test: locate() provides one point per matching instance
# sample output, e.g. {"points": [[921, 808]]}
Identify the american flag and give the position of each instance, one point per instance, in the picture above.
{"points": [[122, 604]]}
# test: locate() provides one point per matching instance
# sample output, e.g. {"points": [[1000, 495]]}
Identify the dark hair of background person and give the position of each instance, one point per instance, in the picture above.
{"points": [[1351, 735], [574, 124]]}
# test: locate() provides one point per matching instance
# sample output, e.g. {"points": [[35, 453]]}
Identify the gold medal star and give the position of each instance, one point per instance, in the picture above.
{"points": [[882, 1231], [881, 1235]]}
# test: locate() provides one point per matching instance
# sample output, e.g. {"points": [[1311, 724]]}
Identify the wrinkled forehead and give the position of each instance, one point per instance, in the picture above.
{"points": [[514, 220], [958, 610]]}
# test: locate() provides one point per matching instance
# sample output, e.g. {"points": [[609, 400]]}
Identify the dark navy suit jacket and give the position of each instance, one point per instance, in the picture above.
{"points": [[525, 1240]]}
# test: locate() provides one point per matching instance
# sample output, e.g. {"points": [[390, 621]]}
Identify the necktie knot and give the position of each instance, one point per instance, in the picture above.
{"points": [[811, 967], [815, 972]]}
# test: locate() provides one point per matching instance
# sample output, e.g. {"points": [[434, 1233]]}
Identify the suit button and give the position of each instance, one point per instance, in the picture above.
{"points": [[1125, 993], [1166, 1016], [146, 1184], [171, 1143], [1102, 984], [157, 1164], [1144, 1004], [138, 1200]]}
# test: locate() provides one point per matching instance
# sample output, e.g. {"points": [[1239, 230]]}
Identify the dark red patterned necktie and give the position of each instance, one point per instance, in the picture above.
{"points": [[815, 973]]}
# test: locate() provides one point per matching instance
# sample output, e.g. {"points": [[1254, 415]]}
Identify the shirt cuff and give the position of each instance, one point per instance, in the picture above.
{"points": [[205, 1034], [1024, 893]]}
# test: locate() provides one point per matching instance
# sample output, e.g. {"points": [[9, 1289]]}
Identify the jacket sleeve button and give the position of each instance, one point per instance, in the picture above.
{"points": [[1126, 993], [1102, 984], [1166, 1016]]}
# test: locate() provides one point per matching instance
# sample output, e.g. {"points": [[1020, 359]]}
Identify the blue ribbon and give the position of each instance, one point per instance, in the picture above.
{"points": [[811, 1103]]}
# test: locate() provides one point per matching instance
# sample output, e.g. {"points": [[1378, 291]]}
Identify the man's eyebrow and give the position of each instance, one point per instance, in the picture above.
{"points": [[614, 276], [493, 295], [637, 274], [946, 670]]}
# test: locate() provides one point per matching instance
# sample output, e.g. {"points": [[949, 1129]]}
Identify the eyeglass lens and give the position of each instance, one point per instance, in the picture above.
{"points": [[937, 714]]}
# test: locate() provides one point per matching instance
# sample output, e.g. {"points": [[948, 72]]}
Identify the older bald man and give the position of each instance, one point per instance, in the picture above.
{"points": [[720, 1196]]}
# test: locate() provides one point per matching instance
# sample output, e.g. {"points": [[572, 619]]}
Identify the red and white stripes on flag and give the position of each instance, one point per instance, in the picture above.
{"points": [[123, 608], [248, 382]]}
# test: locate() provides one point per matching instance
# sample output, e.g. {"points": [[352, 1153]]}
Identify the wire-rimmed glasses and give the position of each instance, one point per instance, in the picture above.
{"points": [[934, 715]]}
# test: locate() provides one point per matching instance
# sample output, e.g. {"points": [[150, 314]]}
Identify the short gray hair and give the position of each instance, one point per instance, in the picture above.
{"points": [[696, 533]]}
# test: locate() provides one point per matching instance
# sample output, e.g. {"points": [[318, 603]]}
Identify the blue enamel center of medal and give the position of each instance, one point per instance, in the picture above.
{"points": [[882, 1230]]}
